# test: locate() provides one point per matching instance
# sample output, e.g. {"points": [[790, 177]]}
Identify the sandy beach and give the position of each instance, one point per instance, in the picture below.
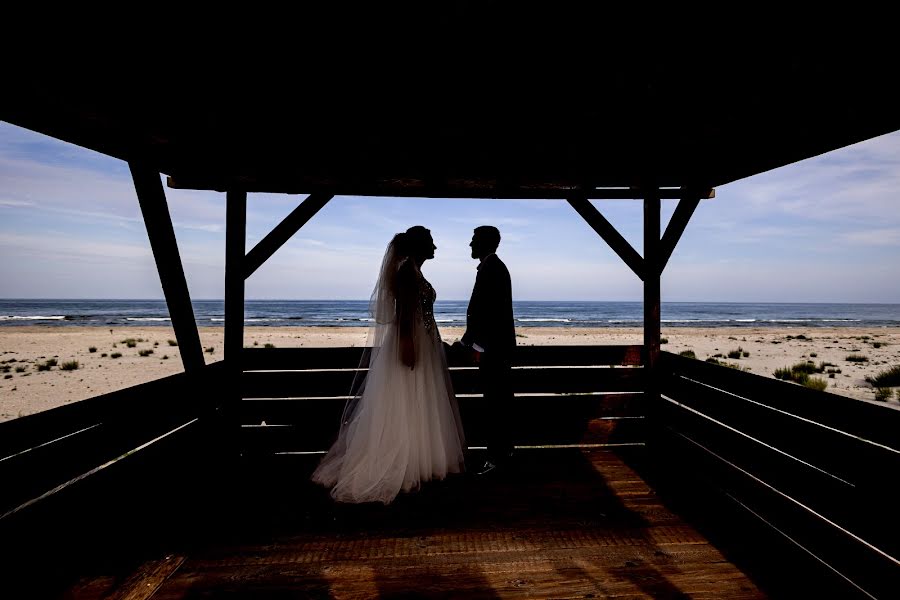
{"points": [[25, 390]]}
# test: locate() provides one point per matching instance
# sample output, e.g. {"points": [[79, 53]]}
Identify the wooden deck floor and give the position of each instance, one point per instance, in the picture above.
{"points": [[557, 524]]}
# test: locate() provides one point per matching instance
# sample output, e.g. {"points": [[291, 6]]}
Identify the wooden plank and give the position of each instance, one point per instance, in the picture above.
{"points": [[146, 580], [675, 228], [529, 432], [275, 359], [30, 431], [303, 384], [152, 198], [840, 502], [291, 411], [678, 572], [533, 421], [440, 190], [33, 473], [101, 523], [876, 422], [851, 458], [609, 234], [866, 568], [283, 232]]}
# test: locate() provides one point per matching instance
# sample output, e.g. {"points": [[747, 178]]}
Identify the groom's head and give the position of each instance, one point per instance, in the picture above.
{"points": [[485, 240]]}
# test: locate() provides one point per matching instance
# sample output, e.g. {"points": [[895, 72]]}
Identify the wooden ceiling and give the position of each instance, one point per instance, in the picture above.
{"points": [[475, 115]]}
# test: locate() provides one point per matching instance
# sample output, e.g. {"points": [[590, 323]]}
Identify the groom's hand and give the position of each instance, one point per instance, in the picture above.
{"points": [[466, 354]]}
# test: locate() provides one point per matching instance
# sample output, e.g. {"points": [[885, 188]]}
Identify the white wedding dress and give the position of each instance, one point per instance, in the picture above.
{"points": [[402, 427]]}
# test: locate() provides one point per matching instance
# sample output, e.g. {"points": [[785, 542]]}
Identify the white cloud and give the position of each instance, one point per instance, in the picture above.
{"points": [[873, 237]]}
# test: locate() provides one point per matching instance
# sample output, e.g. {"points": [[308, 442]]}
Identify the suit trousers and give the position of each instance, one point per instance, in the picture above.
{"points": [[496, 385]]}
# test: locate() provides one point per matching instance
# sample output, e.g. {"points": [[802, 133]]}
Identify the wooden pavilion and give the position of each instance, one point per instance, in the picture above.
{"points": [[640, 473]]}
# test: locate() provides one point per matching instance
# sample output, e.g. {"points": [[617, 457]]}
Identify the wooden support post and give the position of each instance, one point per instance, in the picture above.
{"points": [[283, 232], [152, 198], [652, 261], [235, 242], [609, 234]]}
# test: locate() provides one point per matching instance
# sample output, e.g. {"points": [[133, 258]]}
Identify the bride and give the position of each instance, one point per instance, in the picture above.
{"points": [[402, 425]]}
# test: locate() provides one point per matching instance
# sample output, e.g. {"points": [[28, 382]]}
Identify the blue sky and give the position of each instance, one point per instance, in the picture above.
{"points": [[822, 230]]}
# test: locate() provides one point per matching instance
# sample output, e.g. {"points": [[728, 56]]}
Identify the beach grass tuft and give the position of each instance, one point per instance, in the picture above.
{"points": [[115, 355], [857, 358], [883, 394], [104, 355], [130, 342], [663, 340], [268, 345], [92, 349], [20, 369], [816, 383], [145, 352], [69, 365], [210, 350], [46, 366], [736, 353], [888, 378], [172, 342], [687, 354], [798, 373]]}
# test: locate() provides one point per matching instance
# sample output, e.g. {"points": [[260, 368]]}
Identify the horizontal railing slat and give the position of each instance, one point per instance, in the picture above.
{"points": [[875, 422], [851, 458], [32, 474], [292, 410], [689, 459], [42, 458], [532, 420], [151, 397], [830, 497], [294, 384], [255, 359]]}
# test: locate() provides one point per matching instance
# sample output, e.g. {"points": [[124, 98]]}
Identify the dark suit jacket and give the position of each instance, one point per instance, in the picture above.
{"points": [[489, 318]]}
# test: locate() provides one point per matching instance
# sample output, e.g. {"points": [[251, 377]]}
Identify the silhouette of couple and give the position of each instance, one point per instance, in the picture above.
{"points": [[402, 425]]}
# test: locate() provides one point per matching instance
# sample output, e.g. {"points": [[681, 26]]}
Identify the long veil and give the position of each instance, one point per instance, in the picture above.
{"points": [[382, 317]]}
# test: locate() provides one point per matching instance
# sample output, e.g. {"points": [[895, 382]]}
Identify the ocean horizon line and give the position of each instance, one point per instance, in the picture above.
{"points": [[527, 313], [456, 300]]}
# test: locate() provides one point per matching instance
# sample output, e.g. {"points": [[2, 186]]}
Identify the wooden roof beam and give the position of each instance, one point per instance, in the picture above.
{"points": [[416, 188], [609, 234], [283, 232]]}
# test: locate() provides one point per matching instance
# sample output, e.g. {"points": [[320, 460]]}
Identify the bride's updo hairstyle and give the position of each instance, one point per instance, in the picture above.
{"points": [[411, 242]]}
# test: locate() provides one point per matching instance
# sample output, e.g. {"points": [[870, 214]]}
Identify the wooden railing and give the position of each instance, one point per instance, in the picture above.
{"points": [[45, 454], [293, 398], [817, 468]]}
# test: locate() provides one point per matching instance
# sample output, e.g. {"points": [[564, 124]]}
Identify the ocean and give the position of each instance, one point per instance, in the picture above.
{"points": [[344, 313]]}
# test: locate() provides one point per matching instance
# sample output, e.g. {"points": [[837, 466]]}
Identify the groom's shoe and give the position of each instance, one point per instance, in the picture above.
{"points": [[486, 468]]}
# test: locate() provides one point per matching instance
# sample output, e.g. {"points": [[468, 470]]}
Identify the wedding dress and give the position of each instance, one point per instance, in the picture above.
{"points": [[402, 426]]}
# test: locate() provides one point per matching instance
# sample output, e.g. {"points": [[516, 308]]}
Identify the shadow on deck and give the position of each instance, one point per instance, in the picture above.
{"points": [[563, 523], [729, 485]]}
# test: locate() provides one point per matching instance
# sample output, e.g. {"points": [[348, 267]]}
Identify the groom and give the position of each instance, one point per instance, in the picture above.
{"points": [[491, 333]]}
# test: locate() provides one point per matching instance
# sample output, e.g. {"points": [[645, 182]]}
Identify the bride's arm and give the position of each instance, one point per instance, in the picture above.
{"points": [[407, 299]]}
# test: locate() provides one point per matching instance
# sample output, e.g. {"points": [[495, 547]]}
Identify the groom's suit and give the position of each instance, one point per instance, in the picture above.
{"points": [[490, 326]]}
